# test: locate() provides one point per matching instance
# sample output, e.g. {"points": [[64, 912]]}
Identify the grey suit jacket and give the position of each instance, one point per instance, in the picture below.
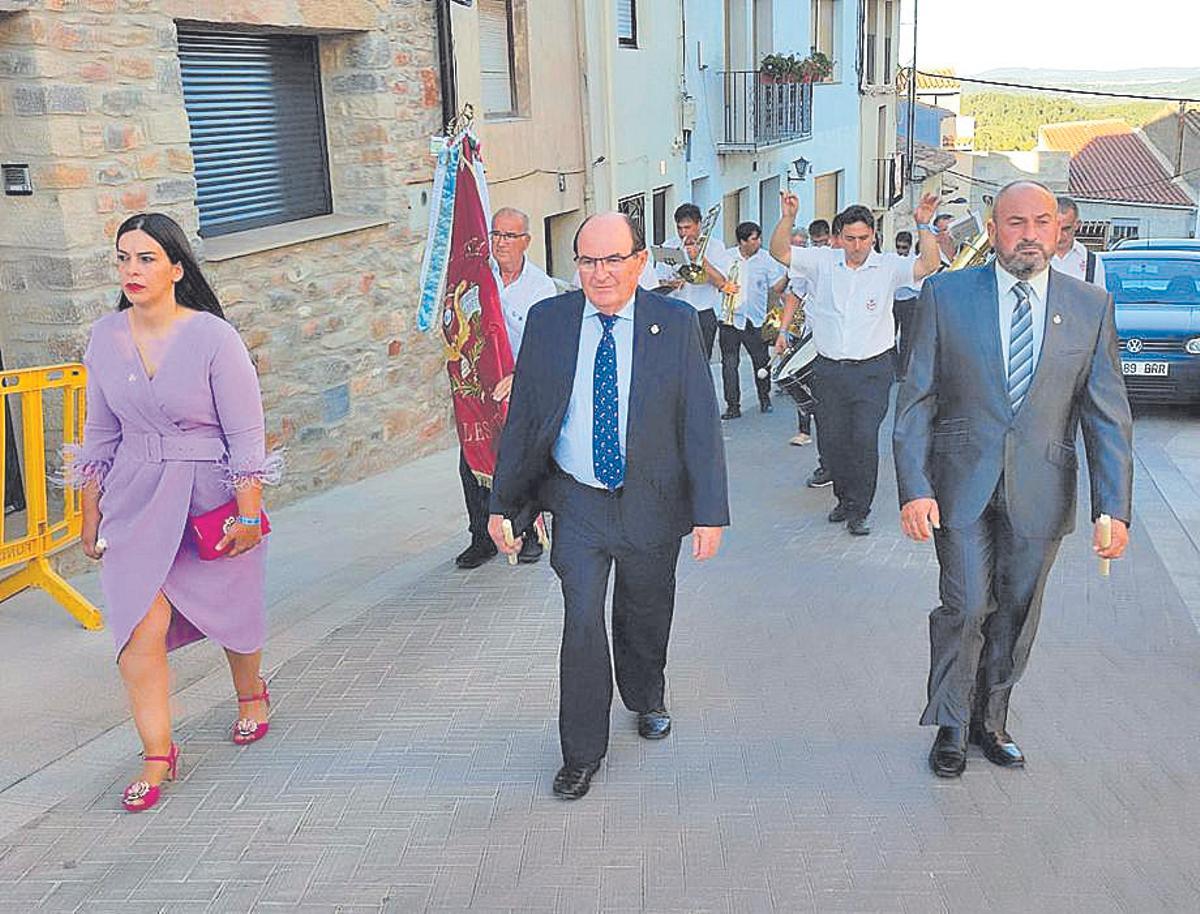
{"points": [[956, 432], [675, 455]]}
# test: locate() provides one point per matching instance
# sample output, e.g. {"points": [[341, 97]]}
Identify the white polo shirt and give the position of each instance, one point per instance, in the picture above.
{"points": [[701, 296], [529, 288], [1074, 263], [850, 311], [755, 275]]}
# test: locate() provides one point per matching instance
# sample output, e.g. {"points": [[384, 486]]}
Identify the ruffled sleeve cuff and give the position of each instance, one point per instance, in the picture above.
{"points": [[79, 470], [268, 471]]}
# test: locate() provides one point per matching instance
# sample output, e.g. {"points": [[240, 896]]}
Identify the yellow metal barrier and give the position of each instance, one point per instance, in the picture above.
{"points": [[42, 537]]}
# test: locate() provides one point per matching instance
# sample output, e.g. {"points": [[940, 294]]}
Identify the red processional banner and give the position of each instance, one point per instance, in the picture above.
{"points": [[459, 288]]}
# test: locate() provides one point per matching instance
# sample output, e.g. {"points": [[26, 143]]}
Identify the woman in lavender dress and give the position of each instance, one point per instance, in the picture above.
{"points": [[174, 428]]}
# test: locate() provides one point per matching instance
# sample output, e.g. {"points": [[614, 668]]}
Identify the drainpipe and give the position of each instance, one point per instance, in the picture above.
{"points": [[446, 74], [585, 108]]}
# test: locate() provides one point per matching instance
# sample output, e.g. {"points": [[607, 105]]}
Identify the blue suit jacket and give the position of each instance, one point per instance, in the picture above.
{"points": [[956, 432], [675, 454]]}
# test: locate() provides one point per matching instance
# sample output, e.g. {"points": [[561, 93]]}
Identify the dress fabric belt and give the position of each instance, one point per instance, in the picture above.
{"points": [[154, 448]]}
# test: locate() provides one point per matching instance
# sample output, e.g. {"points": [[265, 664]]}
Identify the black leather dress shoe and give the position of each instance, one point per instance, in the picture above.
{"points": [[998, 748], [531, 549], [476, 554], [732, 412], [838, 514], [654, 724], [858, 526], [948, 757], [573, 781]]}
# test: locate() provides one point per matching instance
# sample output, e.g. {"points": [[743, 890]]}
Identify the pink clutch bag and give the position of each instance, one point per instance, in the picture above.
{"points": [[210, 527]]}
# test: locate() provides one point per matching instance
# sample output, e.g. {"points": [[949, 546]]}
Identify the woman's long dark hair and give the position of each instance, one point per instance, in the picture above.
{"points": [[192, 291]]}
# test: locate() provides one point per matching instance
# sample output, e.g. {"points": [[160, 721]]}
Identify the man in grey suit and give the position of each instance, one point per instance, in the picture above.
{"points": [[614, 428], [1008, 362]]}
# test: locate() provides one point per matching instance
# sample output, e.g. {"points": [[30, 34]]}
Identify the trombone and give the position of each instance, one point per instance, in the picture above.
{"points": [[693, 270]]}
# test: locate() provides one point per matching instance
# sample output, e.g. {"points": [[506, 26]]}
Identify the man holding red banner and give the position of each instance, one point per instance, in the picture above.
{"points": [[521, 284], [460, 294]]}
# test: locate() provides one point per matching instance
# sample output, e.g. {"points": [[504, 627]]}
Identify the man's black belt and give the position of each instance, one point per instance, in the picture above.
{"points": [[887, 353]]}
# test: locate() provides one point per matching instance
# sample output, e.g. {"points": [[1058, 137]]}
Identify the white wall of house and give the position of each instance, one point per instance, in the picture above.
{"points": [[1151, 221]]}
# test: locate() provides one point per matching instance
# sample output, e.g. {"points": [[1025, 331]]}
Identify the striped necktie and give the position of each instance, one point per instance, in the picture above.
{"points": [[1020, 347], [607, 462]]}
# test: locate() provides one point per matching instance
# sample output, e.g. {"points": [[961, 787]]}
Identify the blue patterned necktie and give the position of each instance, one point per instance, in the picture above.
{"points": [[1020, 347], [607, 462]]}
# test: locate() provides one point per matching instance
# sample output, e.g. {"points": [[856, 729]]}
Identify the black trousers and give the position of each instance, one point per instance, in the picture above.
{"points": [[477, 498], [852, 399], [905, 310], [991, 588], [732, 340], [589, 540], [708, 331]]}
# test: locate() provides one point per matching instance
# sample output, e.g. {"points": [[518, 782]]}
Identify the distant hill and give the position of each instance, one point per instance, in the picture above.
{"points": [[1010, 120], [1173, 81]]}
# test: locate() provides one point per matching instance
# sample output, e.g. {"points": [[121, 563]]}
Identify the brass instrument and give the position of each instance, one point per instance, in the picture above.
{"points": [[973, 253], [693, 271], [731, 301]]}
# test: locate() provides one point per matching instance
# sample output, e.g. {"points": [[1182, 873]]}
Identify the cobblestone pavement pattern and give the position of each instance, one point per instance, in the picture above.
{"points": [[410, 757]]}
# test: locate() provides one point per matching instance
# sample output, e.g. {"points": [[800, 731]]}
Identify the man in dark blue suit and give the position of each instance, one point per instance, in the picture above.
{"points": [[614, 428]]}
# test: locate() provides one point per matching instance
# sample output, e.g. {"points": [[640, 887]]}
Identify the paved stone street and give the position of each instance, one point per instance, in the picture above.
{"points": [[412, 747]]}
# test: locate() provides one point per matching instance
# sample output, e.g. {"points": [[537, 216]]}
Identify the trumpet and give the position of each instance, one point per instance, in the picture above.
{"points": [[693, 271], [731, 301]]}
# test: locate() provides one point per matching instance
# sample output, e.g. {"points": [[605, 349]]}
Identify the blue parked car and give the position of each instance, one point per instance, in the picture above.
{"points": [[1157, 297], [1157, 244]]}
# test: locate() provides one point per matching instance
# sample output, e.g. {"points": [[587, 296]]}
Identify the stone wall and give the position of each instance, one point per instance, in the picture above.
{"points": [[91, 99]]}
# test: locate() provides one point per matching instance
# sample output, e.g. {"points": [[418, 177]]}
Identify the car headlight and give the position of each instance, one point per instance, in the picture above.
{"points": [[1193, 346]]}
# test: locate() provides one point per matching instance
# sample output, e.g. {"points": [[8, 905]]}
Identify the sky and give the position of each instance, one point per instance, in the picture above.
{"points": [[977, 35]]}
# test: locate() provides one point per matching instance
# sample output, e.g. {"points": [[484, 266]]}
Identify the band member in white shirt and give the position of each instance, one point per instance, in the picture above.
{"points": [[1070, 256], [755, 274], [522, 284], [854, 331], [704, 297]]}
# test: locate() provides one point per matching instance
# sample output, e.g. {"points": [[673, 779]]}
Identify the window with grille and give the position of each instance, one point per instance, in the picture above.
{"points": [[627, 23], [254, 109], [635, 208], [496, 62]]}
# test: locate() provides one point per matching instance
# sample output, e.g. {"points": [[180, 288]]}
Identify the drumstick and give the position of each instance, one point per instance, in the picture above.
{"points": [[1105, 523], [509, 539]]}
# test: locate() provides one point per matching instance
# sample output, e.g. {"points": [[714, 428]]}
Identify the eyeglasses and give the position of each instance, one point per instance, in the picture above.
{"points": [[507, 236], [611, 262]]}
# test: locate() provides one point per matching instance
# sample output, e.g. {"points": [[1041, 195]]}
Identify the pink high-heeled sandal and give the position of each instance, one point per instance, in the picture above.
{"points": [[247, 730], [141, 795]]}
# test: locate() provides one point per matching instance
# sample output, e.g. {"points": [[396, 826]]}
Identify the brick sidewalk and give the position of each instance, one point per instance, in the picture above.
{"points": [[411, 751]]}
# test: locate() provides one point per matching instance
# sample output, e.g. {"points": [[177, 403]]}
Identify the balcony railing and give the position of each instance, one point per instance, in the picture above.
{"points": [[761, 113]]}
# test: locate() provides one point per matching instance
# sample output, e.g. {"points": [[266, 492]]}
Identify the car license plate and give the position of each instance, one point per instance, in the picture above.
{"points": [[1151, 369]]}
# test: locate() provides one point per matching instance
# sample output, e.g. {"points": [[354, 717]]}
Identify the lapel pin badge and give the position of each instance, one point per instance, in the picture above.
{"points": [[1058, 318], [654, 328]]}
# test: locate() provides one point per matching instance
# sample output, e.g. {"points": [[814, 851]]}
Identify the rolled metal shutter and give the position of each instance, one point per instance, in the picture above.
{"points": [[258, 133]]}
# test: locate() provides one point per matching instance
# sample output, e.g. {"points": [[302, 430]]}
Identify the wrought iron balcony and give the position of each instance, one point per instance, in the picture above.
{"points": [[760, 112]]}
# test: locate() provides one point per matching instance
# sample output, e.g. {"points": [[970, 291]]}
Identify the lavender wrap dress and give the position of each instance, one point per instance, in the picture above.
{"points": [[165, 447]]}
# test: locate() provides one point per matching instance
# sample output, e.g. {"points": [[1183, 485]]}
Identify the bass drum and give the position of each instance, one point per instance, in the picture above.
{"points": [[794, 371]]}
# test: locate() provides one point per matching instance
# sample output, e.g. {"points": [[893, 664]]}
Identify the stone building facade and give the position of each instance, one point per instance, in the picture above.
{"points": [[91, 100]]}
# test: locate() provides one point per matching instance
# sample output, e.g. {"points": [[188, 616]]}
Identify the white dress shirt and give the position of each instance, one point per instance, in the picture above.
{"points": [[849, 310], [1007, 303], [755, 275], [907, 293], [1074, 263], [701, 296], [530, 287]]}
